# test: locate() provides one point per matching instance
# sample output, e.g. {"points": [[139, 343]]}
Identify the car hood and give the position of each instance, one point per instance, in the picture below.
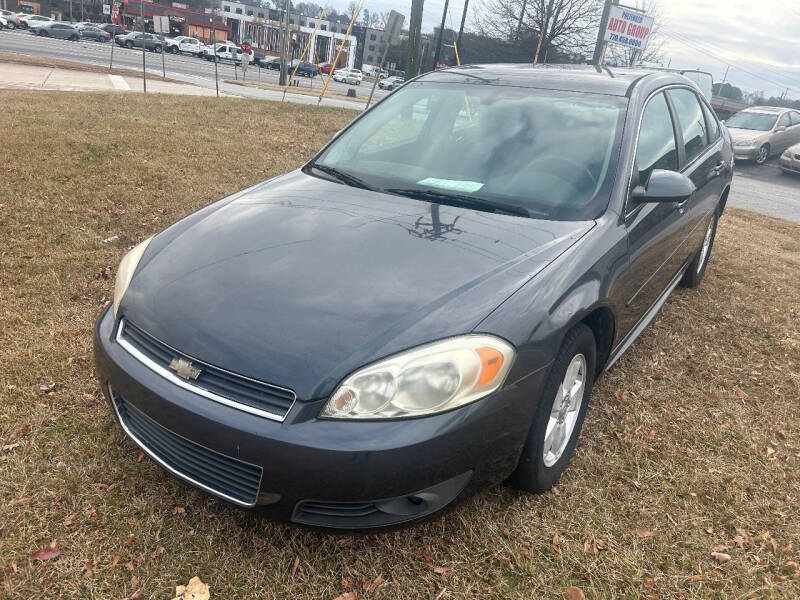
{"points": [[298, 281], [739, 135]]}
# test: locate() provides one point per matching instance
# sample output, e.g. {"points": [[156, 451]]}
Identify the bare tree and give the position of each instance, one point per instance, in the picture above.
{"points": [[654, 53]]}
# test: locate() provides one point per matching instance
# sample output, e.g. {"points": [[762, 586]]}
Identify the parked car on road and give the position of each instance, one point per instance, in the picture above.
{"points": [[11, 18], [269, 62], [224, 51], [92, 32], [790, 160], [423, 308], [305, 69], [183, 43], [390, 83], [762, 131], [134, 40], [54, 29], [113, 30], [349, 76], [26, 20], [325, 68], [3, 23]]}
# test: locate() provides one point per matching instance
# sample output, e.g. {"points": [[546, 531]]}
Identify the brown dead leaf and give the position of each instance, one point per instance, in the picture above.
{"points": [[46, 553], [295, 564], [18, 501], [574, 593], [347, 584], [425, 555], [346, 596], [709, 529], [129, 565], [158, 552], [720, 557], [194, 590], [642, 533], [443, 571], [179, 510]]}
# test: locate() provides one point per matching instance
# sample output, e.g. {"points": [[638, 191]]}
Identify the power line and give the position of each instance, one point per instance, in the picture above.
{"points": [[716, 51], [715, 56]]}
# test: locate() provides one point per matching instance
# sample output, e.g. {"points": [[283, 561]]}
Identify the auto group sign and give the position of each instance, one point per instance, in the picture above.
{"points": [[628, 27]]}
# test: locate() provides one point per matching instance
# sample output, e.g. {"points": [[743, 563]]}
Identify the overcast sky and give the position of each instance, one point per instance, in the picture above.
{"points": [[760, 39]]}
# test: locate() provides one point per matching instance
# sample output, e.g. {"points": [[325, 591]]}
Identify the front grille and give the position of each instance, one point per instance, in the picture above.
{"points": [[797, 156], [218, 384], [222, 475]]}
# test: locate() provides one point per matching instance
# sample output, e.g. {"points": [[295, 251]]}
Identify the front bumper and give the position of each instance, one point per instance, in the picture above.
{"points": [[790, 164], [328, 473], [745, 152]]}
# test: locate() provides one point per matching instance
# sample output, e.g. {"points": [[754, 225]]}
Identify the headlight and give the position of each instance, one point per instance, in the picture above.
{"points": [[744, 143], [426, 380], [125, 271]]}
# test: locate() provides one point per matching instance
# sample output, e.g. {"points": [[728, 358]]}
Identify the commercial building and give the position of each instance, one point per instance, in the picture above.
{"points": [[263, 26], [205, 26]]}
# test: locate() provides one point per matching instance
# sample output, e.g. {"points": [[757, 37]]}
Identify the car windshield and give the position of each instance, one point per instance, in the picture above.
{"points": [[752, 120], [543, 153]]}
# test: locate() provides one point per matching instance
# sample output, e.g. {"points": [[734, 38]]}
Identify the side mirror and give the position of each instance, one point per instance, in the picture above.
{"points": [[664, 186], [780, 128]]}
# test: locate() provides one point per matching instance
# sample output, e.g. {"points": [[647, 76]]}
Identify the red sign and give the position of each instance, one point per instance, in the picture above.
{"points": [[115, 14], [245, 47]]}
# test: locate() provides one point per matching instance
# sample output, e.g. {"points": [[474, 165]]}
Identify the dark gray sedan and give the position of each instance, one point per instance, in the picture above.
{"points": [[423, 308], [54, 29], [91, 32], [134, 40]]}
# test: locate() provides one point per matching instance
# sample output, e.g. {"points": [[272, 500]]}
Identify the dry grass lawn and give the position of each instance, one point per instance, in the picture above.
{"points": [[691, 445], [60, 63]]}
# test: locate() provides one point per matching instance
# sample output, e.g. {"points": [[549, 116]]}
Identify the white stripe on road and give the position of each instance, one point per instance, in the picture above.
{"points": [[119, 83]]}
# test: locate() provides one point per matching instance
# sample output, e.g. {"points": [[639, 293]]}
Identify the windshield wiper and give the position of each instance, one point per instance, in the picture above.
{"points": [[343, 176], [462, 200]]}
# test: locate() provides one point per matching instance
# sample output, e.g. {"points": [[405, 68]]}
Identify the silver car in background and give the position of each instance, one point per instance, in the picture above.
{"points": [[759, 132], [790, 160]]}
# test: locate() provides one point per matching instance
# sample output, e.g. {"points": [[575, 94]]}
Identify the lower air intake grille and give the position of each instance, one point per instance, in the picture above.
{"points": [[216, 473]]}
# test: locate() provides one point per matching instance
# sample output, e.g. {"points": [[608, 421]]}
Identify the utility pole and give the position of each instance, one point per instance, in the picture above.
{"points": [[285, 44], [414, 29], [600, 45], [543, 31], [441, 36], [144, 67], [725, 77], [521, 16], [461, 29]]}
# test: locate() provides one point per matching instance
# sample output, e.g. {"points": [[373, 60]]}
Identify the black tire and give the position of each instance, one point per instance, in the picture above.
{"points": [[532, 474], [129, 45], [158, 49], [74, 38], [762, 155], [697, 268]]}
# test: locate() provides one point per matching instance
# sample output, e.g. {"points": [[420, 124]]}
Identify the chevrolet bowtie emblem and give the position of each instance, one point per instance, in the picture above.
{"points": [[184, 368]]}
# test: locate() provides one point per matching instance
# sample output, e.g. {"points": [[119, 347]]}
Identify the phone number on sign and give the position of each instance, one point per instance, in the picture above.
{"points": [[624, 39]]}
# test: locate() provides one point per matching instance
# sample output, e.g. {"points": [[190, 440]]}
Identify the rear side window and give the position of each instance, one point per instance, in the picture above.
{"points": [[795, 116], [711, 123], [691, 120], [784, 120], [656, 148]]}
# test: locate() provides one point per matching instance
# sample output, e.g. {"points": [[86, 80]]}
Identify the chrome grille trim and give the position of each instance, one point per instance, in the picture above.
{"points": [[173, 378]]}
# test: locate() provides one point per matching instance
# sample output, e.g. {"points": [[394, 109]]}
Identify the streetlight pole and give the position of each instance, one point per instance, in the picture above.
{"points": [[461, 29], [441, 36]]}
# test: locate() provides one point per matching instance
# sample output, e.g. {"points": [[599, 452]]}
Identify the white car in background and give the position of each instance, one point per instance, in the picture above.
{"points": [[25, 21], [184, 43], [11, 19], [349, 76], [225, 51]]}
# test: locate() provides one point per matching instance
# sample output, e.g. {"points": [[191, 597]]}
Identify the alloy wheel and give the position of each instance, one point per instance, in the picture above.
{"points": [[566, 407], [761, 157]]}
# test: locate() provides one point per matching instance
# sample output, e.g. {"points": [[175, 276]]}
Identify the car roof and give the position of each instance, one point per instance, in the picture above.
{"points": [[765, 109], [612, 81]]}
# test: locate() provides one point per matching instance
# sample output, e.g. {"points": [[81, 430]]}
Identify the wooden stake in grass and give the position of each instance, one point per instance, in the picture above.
{"points": [[336, 60]]}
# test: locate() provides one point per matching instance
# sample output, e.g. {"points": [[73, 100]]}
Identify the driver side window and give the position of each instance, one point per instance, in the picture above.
{"points": [[784, 121], [656, 148]]}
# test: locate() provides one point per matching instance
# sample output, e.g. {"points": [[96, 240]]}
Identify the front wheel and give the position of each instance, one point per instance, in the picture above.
{"points": [[157, 49], [697, 268], [559, 417], [129, 45], [762, 155]]}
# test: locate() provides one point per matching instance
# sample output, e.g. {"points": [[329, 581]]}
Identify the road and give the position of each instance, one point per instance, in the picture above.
{"points": [[179, 67], [765, 189]]}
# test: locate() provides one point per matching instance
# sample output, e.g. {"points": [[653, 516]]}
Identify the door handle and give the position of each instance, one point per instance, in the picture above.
{"points": [[718, 168]]}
